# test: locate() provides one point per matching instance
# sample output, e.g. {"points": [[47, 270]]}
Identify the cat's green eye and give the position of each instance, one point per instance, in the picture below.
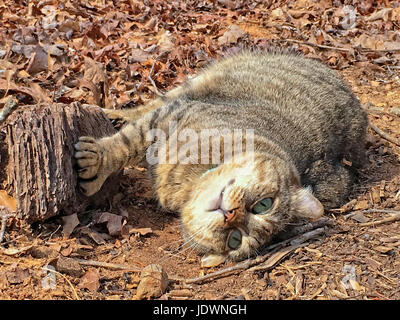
{"points": [[262, 206], [234, 239]]}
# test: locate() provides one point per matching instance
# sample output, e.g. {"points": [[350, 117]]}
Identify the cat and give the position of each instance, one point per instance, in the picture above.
{"points": [[307, 143]]}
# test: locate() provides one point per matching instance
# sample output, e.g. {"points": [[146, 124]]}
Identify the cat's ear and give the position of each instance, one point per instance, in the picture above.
{"points": [[305, 205]]}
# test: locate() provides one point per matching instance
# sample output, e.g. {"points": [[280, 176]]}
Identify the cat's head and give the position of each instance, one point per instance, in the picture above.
{"points": [[237, 207]]}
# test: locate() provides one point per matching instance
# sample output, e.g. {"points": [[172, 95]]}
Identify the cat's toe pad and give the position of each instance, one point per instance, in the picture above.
{"points": [[88, 157]]}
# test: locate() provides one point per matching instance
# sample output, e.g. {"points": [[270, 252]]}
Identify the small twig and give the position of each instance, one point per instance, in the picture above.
{"points": [[54, 232], [8, 107], [321, 46], [377, 110], [307, 236], [156, 91], [274, 259], [389, 211], [384, 135], [237, 267], [107, 265], [302, 229], [395, 216]]}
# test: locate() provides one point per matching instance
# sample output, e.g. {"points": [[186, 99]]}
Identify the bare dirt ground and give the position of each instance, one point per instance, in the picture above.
{"points": [[357, 258]]}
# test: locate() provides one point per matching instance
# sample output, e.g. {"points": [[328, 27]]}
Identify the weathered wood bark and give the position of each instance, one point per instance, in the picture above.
{"points": [[36, 158]]}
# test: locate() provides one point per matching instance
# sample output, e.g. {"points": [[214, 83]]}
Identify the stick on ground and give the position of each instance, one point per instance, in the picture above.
{"points": [[156, 91], [321, 46], [107, 265], [395, 216], [384, 135]]}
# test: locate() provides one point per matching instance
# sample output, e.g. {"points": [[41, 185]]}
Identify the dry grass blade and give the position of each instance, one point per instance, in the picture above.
{"points": [[107, 265], [395, 216], [316, 45], [156, 91]]}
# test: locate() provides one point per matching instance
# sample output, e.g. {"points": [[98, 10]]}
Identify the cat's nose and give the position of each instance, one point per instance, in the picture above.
{"points": [[234, 217], [230, 215]]}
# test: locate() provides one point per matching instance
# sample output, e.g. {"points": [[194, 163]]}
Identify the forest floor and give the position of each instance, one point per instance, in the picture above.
{"points": [[113, 54]]}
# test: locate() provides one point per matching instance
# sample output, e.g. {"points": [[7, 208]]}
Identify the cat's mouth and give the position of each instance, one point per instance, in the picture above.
{"points": [[234, 219], [216, 205]]}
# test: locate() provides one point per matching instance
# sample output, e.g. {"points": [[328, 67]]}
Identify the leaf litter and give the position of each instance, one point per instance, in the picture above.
{"points": [[115, 54]]}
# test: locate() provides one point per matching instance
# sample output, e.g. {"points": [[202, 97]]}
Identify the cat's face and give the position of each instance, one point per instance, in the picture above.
{"points": [[237, 207]]}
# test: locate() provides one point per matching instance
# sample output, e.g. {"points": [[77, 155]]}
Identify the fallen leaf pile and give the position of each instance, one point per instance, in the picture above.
{"points": [[102, 52]]}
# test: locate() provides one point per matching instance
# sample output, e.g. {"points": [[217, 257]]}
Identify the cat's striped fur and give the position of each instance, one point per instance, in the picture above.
{"points": [[305, 120]]}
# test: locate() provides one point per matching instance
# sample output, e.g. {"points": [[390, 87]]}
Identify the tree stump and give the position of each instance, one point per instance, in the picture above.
{"points": [[37, 166]]}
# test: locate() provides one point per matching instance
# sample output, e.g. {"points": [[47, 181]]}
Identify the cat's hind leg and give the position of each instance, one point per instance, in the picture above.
{"points": [[331, 183]]}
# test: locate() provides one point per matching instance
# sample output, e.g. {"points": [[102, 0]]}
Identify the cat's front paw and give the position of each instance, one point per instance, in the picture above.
{"points": [[88, 157]]}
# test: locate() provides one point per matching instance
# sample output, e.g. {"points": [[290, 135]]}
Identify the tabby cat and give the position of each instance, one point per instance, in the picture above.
{"points": [[307, 128]]}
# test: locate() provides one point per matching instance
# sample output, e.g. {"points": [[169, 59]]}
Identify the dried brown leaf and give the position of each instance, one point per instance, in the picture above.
{"points": [[382, 14], [141, 231], [95, 74], [369, 42], [359, 217], [361, 205], [69, 224], [383, 249], [90, 280], [7, 201], [114, 222], [232, 35], [8, 85], [17, 276], [38, 61]]}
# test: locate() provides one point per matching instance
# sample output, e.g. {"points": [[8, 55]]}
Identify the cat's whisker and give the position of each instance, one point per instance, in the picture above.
{"points": [[195, 244], [179, 250], [207, 227], [181, 225], [193, 236]]}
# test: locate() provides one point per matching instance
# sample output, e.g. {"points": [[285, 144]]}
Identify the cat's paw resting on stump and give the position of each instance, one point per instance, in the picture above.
{"points": [[91, 161]]}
